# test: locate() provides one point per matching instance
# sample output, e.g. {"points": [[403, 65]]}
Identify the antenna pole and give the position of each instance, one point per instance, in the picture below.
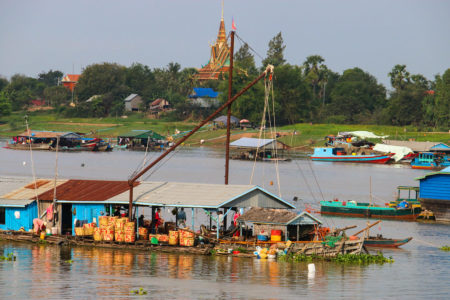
{"points": [[230, 88]]}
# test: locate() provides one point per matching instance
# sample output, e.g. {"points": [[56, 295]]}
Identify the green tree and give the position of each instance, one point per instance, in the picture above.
{"points": [[442, 101], [316, 72], [57, 95], [51, 78], [275, 53], [3, 83], [244, 61], [107, 80], [400, 77], [22, 89], [5, 105], [356, 95]]}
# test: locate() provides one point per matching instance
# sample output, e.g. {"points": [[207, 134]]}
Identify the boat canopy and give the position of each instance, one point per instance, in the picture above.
{"points": [[400, 151], [365, 134]]}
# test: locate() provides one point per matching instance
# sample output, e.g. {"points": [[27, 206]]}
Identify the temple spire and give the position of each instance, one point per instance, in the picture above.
{"points": [[222, 10]]}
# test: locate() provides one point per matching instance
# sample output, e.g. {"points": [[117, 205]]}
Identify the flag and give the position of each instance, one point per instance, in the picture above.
{"points": [[233, 26]]}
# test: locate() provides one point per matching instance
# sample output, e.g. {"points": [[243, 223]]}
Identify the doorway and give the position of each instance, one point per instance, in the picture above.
{"points": [[66, 222]]}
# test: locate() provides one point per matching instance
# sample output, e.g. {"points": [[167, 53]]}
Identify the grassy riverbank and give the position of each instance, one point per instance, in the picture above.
{"points": [[306, 134]]}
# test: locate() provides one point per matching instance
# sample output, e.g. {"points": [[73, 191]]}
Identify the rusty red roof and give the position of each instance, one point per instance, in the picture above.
{"points": [[87, 190]]}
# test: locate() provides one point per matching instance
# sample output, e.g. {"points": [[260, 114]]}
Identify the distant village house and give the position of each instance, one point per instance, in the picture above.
{"points": [[133, 102], [204, 97], [70, 81]]}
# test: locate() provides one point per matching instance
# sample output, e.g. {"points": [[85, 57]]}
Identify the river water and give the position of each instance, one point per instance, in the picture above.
{"points": [[420, 269]]}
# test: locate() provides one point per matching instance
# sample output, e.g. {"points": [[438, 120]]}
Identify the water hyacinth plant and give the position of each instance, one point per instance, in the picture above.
{"points": [[361, 259]]}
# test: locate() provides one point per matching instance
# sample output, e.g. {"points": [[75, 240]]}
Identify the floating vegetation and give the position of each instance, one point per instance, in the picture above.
{"points": [[9, 257], [68, 261], [445, 248], [360, 259], [140, 291], [243, 250], [42, 242]]}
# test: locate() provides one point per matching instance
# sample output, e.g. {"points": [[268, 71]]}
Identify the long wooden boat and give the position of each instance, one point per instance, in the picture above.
{"points": [[380, 241], [34, 146], [365, 210], [334, 155]]}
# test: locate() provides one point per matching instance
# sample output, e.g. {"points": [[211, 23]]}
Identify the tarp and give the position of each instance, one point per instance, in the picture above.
{"points": [[399, 151], [367, 135]]}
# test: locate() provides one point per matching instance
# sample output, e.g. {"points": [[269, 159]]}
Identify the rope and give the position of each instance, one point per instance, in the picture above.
{"points": [[249, 47], [32, 166], [315, 178]]}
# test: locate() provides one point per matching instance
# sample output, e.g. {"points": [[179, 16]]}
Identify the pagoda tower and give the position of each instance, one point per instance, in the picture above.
{"points": [[219, 62]]}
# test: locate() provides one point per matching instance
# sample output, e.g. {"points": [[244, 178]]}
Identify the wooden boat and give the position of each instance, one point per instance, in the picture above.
{"points": [[34, 146], [339, 155], [366, 210], [425, 161], [379, 241]]}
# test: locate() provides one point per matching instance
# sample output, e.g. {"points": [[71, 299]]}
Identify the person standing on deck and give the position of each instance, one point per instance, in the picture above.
{"points": [[181, 218], [158, 220]]}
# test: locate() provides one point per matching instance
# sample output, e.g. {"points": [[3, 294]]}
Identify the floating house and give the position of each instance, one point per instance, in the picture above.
{"points": [[16, 211], [434, 193], [294, 226], [261, 149], [84, 201], [139, 139], [45, 140]]}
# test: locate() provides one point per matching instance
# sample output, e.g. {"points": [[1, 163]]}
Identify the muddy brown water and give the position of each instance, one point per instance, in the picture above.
{"points": [[420, 269]]}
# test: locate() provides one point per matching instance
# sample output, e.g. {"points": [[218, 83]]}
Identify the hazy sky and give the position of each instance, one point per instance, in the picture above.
{"points": [[37, 36]]}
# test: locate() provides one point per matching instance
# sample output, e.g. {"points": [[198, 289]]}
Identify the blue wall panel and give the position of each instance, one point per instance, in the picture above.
{"points": [[435, 187], [87, 212], [27, 214]]}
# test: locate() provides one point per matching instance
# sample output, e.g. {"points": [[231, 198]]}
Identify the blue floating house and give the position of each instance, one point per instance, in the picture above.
{"points": [[15, 214], [434, 193]]}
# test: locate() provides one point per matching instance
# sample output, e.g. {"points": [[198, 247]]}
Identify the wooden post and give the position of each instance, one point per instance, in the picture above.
{"points": [[230, 86], [193, 218]]}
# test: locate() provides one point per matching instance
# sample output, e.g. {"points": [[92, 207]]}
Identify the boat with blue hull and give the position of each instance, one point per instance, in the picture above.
{"points": [[431, 161], [340, 155]]}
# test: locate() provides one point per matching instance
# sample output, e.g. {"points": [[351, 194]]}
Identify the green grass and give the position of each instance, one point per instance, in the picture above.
{"points": [[445, 248], [307, 134]]}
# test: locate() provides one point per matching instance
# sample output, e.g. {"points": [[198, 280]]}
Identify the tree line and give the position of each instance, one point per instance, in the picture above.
{"points": [[310, 92]]}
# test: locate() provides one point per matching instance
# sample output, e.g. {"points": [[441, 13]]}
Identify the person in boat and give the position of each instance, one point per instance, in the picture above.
{"points": [[158, 220], [403, 204], [181, 218], [141, 221], [220, 217]]}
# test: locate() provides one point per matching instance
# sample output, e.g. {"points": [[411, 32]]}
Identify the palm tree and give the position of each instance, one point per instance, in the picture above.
{"points": [[399, 77]]}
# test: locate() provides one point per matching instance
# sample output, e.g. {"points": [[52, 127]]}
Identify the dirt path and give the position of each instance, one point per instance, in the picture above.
{"points": [[86, 124]]}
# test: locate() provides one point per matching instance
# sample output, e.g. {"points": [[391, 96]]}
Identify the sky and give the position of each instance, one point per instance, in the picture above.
{"points": [[36, 36]]}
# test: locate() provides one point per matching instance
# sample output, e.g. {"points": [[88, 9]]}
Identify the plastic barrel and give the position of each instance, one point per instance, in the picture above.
{"points": [[275, 235]]}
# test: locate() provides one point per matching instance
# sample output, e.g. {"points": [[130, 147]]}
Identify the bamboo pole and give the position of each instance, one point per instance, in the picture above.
{"points": [[367, 227]]}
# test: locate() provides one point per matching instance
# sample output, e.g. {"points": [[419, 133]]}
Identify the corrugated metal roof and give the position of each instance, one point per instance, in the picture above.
{"points": [[251, 143], [142, 134], [191, 194], [49, 134], [130, 97], [415, 146], [14, 203], [87, 190], [27, 192]]}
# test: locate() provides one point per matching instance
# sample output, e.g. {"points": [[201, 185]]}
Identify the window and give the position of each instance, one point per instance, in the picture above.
{"points": [[2, 215]]}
